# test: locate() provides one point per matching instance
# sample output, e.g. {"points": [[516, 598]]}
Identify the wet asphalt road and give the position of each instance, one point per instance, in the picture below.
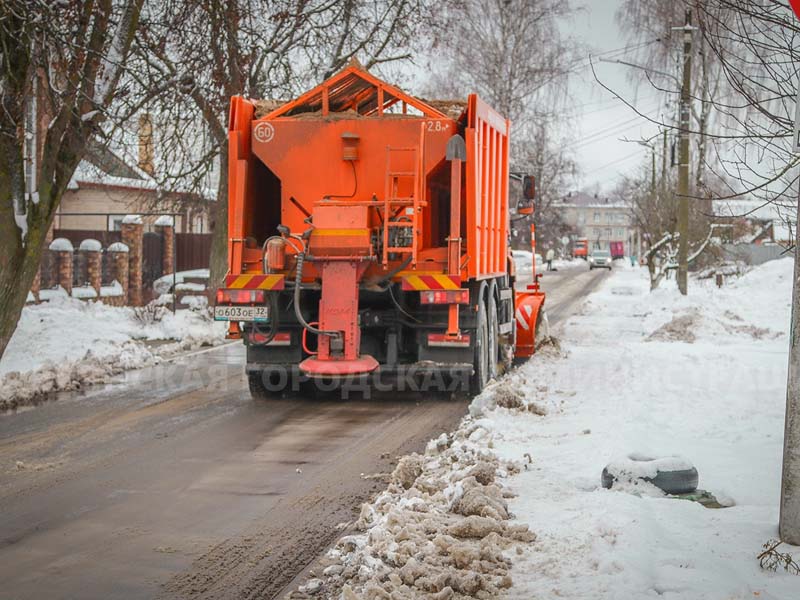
{"points": [[170, 482]]}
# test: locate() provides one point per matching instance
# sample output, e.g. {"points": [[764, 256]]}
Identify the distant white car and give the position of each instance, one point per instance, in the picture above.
{"points": [[600, 259], [523, 259]]}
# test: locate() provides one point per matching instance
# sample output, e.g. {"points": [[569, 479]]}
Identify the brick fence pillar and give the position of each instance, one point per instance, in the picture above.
{"points": [[119, 267], [165, 226], [92, 249], [132, 235], [63, 250]]}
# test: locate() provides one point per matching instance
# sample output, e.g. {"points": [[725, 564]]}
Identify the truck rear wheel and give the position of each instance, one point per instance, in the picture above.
{"points": [[258, 391], [480, 375], [493, 340]]}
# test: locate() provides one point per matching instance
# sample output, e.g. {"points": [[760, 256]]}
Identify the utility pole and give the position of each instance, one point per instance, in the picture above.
{"points": [[663, 165], [789, 524], [653, 178], [683, 164]]}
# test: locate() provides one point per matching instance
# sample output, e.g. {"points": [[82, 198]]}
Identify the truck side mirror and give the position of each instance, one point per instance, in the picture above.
{"points": [[528, 188], [525, 207]]}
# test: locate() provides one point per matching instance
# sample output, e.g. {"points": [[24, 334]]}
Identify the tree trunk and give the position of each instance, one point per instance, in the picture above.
{"points": [[19, 259], [18, 268], [218, 265]]}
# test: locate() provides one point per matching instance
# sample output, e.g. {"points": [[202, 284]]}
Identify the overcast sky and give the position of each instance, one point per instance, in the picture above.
{"points": [[603, 120]]}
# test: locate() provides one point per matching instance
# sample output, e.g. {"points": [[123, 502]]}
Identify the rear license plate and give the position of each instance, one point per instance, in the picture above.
{"points": [[241, 313]]}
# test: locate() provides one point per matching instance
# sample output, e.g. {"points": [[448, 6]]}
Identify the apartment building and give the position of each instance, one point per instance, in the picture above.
{"points": [[601, 220]]}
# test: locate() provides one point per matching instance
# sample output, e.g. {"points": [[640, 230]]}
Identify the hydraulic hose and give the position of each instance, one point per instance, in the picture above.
{"points": [[273, 325], [297, 280], [388, 276]]}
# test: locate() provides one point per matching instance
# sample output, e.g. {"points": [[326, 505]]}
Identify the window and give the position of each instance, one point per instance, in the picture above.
{"points": [[581, 218], [620, 233], [609, 218], [597, 217], [608, 233]]}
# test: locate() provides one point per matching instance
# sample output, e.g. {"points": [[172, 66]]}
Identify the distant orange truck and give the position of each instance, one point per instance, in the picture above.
{"points": [[580, 249]]}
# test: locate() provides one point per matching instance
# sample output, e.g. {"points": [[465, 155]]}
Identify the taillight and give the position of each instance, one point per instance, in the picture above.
{"points": [[444, 297], [226, 296]]}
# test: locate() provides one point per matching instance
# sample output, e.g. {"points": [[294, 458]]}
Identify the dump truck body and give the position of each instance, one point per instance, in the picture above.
{"points": [[372, 228], [580, 248]]}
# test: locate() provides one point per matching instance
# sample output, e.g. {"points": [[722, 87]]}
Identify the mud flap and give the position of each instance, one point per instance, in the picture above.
{"points": [[528, 306]]}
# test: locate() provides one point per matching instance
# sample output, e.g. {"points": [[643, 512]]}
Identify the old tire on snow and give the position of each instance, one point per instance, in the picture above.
{"points": [[671, 474]]}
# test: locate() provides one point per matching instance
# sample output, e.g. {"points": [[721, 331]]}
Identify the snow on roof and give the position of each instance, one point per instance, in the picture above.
{"points": [[165, 221], [118, 247], [132, 220], [90, 245], [61, 245], [584, 200]]}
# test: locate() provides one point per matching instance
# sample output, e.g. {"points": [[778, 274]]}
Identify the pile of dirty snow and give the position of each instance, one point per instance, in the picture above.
{"points": [[66, 344], [441, 530]]}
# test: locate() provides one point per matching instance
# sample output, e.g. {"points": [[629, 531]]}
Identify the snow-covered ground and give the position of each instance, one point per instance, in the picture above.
{"points": [[66, 344], [702, 377]]}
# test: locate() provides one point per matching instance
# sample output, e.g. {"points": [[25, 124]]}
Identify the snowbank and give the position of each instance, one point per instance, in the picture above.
{"points": [[714, 394], [453, 523], [66, 344]]}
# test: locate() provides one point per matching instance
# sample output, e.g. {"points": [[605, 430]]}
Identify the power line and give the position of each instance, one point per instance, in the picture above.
{"points": [[614, 162]]}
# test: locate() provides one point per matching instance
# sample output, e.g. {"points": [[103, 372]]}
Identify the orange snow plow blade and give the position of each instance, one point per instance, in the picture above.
{"points": [[528, 304]]}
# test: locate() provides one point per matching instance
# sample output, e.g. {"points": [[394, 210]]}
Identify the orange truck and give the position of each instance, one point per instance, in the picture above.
{"points": [[580, 248], [369, 241]]}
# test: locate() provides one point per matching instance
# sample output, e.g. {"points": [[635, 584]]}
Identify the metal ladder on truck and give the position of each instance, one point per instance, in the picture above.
{"points": [[401, 212]]}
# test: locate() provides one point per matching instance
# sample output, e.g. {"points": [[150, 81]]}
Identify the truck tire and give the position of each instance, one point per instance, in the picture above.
{"points": [[480, 376], [673, 481], [258, 390], [493, 339]]}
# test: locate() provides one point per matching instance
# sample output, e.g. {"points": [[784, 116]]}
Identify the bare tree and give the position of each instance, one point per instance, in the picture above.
{"points": [[61, 63], [514, 55], [192, 56]]}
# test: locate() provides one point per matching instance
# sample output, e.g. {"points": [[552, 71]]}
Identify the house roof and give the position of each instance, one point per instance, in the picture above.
{"points": [[103, 158], [781, 217], [584, 200], [102, 167]]}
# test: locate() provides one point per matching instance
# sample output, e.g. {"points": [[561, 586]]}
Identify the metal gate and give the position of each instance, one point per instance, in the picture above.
{"points": [[152, 258]]}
